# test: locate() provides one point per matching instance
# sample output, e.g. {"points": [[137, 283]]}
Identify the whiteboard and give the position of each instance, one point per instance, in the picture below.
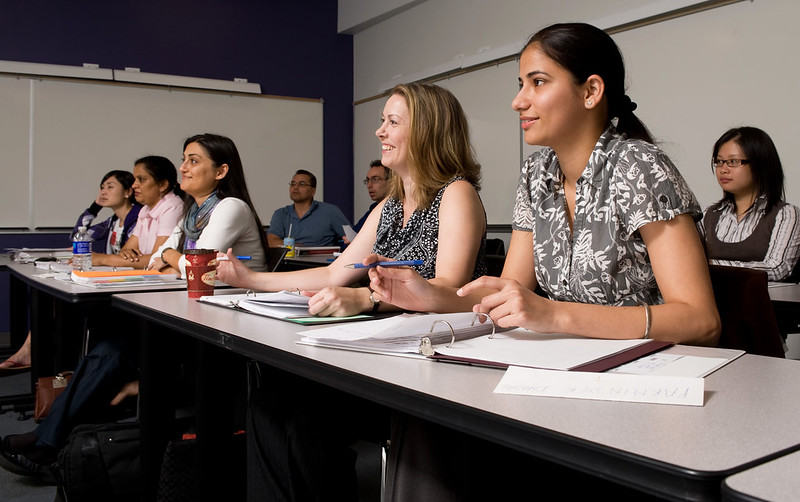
{"points": [[82, 129]]}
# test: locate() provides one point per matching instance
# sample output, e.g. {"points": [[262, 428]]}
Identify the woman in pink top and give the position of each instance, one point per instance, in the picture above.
{"points": [[156, 188]]}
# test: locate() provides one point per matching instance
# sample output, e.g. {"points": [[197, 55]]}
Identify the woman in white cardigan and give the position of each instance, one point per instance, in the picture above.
{"points": [[219, 213]]}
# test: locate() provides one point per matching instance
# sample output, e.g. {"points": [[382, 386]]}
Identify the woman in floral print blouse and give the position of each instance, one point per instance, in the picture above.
{"points": [[603, 221]]}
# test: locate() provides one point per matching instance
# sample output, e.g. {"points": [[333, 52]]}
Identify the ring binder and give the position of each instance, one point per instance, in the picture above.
{"points": [[494, 328], [426, 346]]}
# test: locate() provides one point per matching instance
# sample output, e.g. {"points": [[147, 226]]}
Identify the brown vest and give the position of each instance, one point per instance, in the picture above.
{"points": [[753, 248]]}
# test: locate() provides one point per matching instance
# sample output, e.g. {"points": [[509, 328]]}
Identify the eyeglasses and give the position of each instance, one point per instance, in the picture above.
{"points": [[300, 184], [730, 162], [374, 179]]}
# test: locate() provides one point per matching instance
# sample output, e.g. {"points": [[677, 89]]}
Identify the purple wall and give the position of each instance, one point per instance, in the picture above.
{"points": [[290, 48]]}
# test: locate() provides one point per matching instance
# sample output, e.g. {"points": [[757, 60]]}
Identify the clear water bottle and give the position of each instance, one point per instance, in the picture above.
{"points": [[82, 250]]}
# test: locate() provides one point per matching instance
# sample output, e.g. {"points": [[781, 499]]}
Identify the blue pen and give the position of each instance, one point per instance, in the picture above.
{"points": [[242, 258], [401, 263]]}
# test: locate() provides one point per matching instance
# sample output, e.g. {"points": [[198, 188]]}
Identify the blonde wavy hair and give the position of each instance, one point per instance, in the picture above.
{"points": [[439, 147]]}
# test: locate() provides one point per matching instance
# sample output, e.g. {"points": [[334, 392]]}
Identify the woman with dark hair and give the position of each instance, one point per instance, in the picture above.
{"points": [[603, 223], [116, 193], [155, 188], [751, 226], [218, 212]]}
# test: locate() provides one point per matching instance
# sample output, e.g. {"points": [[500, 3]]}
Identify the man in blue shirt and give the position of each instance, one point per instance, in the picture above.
{"points": [[310, 222], [377, 182]]}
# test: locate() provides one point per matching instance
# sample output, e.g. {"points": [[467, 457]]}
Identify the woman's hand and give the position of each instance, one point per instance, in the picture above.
{"points": [[157, 264], [131, 255], [338, 301], [400, 286], [128, 390], [512, 305], [233, 272]]}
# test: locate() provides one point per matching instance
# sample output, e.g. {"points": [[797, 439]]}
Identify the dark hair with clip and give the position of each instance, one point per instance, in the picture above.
{"points": [[585, 50]]}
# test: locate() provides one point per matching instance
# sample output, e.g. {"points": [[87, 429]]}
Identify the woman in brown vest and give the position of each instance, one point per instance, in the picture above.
{"points": [[751, 226]]}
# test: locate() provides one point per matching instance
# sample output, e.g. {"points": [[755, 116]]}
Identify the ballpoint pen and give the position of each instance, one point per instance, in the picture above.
{"points": [[400, 263], [240, 258]]}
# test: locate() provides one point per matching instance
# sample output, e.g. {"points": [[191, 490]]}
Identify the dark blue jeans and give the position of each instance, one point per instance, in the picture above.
{"points": [[98, 378]]}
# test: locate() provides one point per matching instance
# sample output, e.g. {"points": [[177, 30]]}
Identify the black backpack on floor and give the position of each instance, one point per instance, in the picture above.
{"points": [[100, 463]]}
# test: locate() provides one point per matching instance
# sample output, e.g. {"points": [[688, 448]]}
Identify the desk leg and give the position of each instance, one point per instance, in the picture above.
{"points": [[18, 315], [156, 402], [43, 327], [221, 376]]}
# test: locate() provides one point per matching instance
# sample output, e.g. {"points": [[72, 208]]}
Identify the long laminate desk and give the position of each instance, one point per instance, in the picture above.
{"points": [[676, 452], [59, 313], [777, 480]]}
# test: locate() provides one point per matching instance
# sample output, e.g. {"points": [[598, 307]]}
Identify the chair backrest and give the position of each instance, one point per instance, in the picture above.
{"points": [[275, 258], [495, 246], [494, 264], [746, 312]]}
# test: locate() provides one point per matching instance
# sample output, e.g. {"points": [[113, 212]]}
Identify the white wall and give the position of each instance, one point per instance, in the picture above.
{"points": [[693, 77]]}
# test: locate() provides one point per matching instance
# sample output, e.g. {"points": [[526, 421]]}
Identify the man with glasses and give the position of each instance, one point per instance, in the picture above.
{"points": [[377, 182], [309, 222]]}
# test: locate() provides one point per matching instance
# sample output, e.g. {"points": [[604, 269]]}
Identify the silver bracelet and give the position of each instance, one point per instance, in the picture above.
{"points": [[647, 320]]}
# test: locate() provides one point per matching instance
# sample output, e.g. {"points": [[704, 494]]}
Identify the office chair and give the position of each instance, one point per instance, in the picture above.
{"points": [[748, 318]]}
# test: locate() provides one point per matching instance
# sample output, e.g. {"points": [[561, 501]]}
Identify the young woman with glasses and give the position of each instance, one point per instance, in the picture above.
{"points": [[751, 226]]}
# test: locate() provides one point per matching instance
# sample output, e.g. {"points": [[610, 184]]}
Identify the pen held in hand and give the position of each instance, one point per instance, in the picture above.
{"points": [[400, 263]]}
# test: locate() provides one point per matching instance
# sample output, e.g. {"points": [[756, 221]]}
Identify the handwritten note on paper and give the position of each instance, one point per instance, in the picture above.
{"points": [[602, 386]]}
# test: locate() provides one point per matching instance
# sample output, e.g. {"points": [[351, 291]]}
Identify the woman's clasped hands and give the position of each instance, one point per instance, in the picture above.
{"points": [[506, 301]]}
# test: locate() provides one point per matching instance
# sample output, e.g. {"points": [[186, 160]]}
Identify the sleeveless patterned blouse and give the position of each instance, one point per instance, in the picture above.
{"points": [[419, 239]]}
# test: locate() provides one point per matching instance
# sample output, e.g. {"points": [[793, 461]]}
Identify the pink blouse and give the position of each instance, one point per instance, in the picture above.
{"points": [[158, 221]]}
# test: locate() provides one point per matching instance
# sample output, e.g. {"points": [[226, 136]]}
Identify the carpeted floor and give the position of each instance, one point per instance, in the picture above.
{"points": [[15, 488]]}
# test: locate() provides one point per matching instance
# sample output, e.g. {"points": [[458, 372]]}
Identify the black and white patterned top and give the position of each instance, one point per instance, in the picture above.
{"points": [[626, 185], [419, 239]]}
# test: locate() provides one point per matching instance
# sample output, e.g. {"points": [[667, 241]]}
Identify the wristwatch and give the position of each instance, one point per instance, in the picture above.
{"points": [[375, 303]]}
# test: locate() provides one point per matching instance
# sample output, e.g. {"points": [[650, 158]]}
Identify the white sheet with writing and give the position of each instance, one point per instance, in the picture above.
{"points": [[602, 386]]}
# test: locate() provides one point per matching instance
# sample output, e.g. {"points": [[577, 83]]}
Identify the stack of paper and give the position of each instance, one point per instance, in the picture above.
{"points": [[27, 255], [406, 333], [110, 278], [283, 305]]}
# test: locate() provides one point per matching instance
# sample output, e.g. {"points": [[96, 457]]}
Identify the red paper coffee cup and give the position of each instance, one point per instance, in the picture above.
{"points": [[200, 276]]}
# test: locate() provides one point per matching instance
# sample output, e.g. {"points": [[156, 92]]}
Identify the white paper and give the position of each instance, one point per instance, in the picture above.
{"points": [[349, 232], [602, 386], [664, 364]]}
